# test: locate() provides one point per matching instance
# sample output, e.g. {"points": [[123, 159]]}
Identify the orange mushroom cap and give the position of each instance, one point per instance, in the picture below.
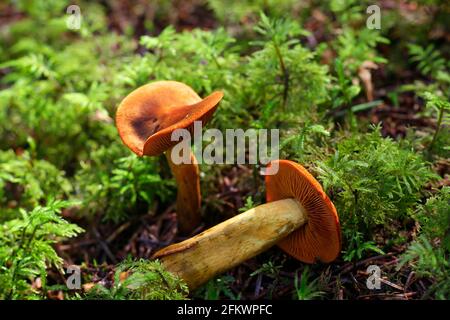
{"points": [[147, 117], [320, 237]]}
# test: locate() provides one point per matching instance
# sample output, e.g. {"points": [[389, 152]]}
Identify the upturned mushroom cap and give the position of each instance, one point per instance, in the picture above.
{"points": [[320, 237], [147, 117]]}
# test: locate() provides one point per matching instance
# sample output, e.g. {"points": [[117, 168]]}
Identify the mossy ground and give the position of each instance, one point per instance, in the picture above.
{"points": [[365, 111]]}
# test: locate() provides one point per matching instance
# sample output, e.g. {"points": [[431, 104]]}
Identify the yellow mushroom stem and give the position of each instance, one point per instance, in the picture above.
{"points": [[188, 204], [228, 244]]}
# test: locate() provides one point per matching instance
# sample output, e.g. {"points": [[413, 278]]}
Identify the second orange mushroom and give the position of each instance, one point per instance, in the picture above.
{"points": [[146, 119]]}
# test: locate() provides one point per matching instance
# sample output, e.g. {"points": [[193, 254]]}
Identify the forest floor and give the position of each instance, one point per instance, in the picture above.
{"points": [[143, 235]]}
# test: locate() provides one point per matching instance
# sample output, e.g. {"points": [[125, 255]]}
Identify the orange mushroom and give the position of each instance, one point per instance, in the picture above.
{"points": [[320, 238], [298, 216], [146, 119]]}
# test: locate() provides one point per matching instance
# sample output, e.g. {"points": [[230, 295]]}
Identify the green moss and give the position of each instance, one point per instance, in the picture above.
{"points": [[373, 181], [145, 280]]}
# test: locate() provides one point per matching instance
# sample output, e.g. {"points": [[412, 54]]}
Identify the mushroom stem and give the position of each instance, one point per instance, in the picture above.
{"points": [[200, 258], [188, 204]]}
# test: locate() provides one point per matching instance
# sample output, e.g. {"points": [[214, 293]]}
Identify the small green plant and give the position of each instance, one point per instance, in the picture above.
{"points": [[269, 269], [442, 107], [358, 247], [434, 217], [143, 280], [249, 204], [217, 288], [235, 11], [429, 60], [357, 46], [305, 288], [272, 270], [26, 251], [433, 65], [25, 181], [431, 262], [304, 143], [347, 11], [344, 90], [284, 73]]}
